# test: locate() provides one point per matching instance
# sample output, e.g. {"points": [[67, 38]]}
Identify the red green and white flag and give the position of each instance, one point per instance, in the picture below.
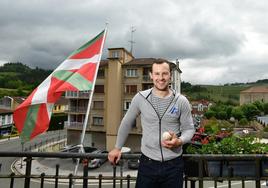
{"points": [[76, 73]]}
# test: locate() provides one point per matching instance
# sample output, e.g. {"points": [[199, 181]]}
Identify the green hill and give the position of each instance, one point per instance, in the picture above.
{"points": [[20, 78], [229, 93]]}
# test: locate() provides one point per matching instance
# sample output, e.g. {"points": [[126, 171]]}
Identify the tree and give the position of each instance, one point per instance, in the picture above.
{"points": [[243, 121], [209, 114], [265, 108], [259, 105], [250, 111], [237, 113], [222, 115]]}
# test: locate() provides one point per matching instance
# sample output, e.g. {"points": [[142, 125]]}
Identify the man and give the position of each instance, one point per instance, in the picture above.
{"points": [[161, 110]]}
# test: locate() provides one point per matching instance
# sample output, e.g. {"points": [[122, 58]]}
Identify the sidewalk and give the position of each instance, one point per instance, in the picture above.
{"points": [[11, 138]]}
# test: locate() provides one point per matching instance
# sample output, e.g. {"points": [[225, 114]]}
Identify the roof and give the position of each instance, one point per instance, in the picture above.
{"points": [[18, 100], [256, 89], [103, 63], [139, 62], [62, 101], [147, 61], [121, 48], [5, 111]]}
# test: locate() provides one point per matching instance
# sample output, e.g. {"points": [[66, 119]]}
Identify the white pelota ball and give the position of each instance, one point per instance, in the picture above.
{"points": [[166, 136]]}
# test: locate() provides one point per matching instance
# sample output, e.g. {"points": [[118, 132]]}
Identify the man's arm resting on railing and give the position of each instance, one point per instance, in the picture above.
{"points": [[114, 156]]}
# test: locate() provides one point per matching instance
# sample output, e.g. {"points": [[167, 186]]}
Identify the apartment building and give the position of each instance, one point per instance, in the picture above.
{"points": [[119, 78], [7, 106]]}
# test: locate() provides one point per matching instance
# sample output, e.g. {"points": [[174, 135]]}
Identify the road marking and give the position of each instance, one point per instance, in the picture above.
{"points": [[226, 185]]}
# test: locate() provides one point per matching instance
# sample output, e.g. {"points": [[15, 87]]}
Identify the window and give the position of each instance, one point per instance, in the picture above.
{"points": [[100, 73], [131, 73], [97, 120], [147, 86], [99, 88], [131, 89], [126, 105], [71, 93], [3, 120], [115, 54], [98, 104]]}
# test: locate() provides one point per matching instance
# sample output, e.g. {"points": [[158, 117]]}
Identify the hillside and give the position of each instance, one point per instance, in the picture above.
{"points": [[229, 93], [19, 79]]}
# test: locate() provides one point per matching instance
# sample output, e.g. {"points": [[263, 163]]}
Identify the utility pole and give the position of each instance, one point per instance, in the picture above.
{"points": [[131, 39]]}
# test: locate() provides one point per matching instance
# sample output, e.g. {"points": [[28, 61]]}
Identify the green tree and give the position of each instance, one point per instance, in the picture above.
{"points": [[265, 108], [243, 121], [209, 114], [222, 115], [237, 113], [250, 111], [259, 105]]}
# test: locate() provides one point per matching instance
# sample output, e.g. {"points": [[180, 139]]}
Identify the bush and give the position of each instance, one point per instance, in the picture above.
{"points": [[232, 145]]}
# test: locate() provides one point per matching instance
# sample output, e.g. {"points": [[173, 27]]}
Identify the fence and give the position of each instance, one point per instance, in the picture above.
{"points": [[198, 169]]}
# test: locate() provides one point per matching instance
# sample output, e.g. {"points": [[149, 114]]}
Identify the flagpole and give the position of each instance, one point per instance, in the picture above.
{"points": [[92, 91], [81, 147]]}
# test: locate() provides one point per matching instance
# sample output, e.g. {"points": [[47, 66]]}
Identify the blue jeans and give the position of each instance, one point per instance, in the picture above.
{"points": [[156, 174]]}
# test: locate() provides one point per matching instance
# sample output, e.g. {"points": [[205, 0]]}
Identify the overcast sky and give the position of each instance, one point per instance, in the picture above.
{"points": [[216, 41]]}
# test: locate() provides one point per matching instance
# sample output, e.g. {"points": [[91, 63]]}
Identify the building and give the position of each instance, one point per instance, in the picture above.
{"points": [[119, 78], [199, 107], [256, 93], [7, 106], [61, 105]]}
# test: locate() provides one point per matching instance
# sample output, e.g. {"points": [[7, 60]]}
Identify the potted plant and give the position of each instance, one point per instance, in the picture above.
{"points": [[231, 145]]}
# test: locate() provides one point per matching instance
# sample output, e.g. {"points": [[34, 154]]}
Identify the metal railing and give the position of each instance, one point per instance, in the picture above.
{"points": [[199, 169]]}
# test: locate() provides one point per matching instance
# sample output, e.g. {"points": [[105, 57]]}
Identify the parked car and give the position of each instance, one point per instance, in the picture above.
{"points": [[75, 149], [133, 163], [97, 162]]}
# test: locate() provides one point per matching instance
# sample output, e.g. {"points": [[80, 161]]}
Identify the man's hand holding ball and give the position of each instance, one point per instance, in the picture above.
{"points": [[170, 140]]}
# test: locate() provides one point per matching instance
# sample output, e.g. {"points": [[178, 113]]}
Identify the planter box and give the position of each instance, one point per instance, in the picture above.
{"points": [[191, 168], [235, 168]]}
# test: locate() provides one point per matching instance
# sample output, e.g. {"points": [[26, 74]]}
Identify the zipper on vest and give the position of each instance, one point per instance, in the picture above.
{"points": [[160, 144]]}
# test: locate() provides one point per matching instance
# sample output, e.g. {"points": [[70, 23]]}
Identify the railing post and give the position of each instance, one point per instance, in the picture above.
{"points": [[42, 180], [128, 181], [185, 181], [28, 172], [70, 180], [258, 172], [121, 172], [85, 174], [200, 173], [12, 180], [114, 176], [100, 180], [57, 175]]}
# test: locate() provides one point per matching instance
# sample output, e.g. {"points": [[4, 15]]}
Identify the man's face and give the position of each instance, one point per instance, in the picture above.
{"points": [[161, 76]]}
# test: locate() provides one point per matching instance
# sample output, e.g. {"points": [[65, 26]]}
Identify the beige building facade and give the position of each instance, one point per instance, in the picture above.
{"points": [[119, 78], [256, 93]]}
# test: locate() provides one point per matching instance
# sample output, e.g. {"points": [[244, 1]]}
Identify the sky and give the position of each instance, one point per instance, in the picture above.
{"points": [[215, 41]]}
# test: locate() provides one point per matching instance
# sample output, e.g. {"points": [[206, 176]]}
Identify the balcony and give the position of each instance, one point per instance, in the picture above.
{"points": [[77, 110], [146, 78], [77, 95], [74, 125], [117, 176]]}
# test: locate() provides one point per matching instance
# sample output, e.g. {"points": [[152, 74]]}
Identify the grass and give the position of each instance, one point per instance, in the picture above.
{"points": [[229, 93]]}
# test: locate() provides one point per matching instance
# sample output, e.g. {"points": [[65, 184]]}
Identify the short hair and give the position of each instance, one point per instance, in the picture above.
{"points": [[161, 61]]}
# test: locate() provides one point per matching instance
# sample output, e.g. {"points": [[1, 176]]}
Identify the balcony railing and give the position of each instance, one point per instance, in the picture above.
{"points": [[77, 110], [75, 125], [199, 164], [77, 94]]}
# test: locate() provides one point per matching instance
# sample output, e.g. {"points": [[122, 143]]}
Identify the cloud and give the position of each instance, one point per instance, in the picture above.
{"points": [[215, 41]]}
